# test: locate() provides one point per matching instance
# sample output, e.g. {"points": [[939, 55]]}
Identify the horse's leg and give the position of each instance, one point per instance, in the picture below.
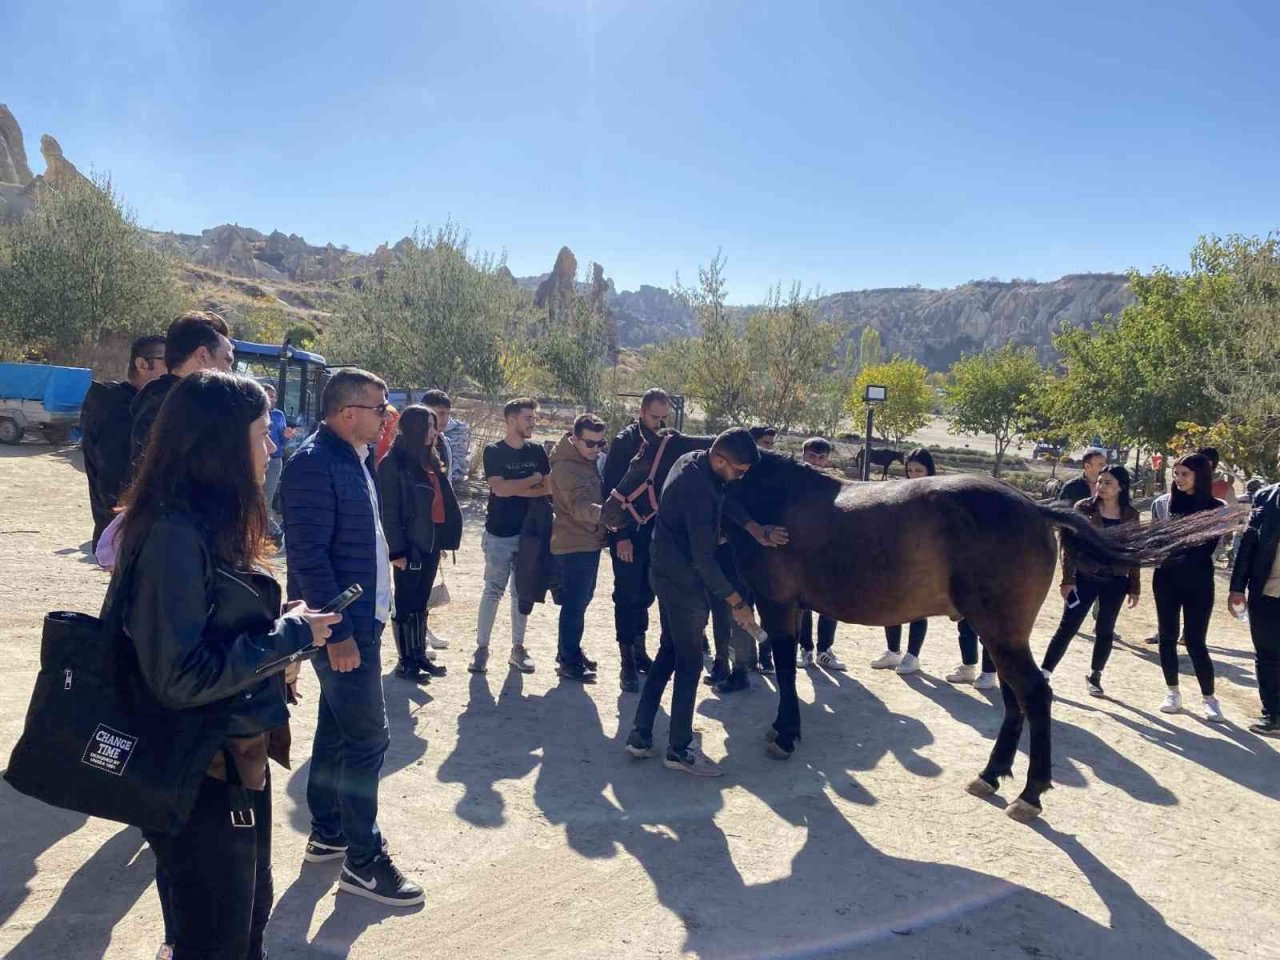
{"points": [[781, 622], [1026, 695]]}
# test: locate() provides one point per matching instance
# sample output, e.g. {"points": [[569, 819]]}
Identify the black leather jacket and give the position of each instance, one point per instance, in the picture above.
{"points": [[200, 629], [407, 497], [1258, 543]]}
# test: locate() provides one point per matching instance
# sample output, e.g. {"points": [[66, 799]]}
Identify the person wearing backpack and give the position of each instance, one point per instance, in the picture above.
{"points": [[202, 615]]}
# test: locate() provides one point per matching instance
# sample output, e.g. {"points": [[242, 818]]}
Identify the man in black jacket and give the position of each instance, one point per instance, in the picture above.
{"points": [[105, 424], [1082, 487], [1257, 569], [629, 545], [197, 340], [685, 575]]}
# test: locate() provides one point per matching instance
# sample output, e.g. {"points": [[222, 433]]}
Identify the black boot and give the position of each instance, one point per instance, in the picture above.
{"points": [[643, 662], [719, 673], [765, 664], [417, 634], [629, 679], [738, 680], [407, 666]]}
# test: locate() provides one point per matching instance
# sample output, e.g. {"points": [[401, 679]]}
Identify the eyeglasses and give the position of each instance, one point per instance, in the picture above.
{"points": [[152, 361], [593, 444], [380, 408]]}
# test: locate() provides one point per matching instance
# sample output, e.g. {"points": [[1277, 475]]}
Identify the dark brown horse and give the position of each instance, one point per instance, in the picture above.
{"points": [[882, 554], [880, 457]]}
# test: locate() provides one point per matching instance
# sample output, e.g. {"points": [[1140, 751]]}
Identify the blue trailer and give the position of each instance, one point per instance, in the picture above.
{"points": [[40, 397]]}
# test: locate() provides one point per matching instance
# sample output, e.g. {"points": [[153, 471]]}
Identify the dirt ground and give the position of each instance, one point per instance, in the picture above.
{"points": [[511, 800]]}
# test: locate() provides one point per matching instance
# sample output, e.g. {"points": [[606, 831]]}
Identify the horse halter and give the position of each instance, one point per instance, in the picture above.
{"points": [[628, 500]]}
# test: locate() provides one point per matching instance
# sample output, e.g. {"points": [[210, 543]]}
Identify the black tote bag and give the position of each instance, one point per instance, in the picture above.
{"points": [[96, 740]]}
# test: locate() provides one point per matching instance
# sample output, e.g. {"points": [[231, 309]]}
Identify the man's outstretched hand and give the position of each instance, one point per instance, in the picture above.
{"points": [[770, 536]]}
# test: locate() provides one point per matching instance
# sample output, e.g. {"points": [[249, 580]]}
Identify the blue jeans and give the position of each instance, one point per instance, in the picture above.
{"points": [[346, 757], [578, 584], [499, 568]]}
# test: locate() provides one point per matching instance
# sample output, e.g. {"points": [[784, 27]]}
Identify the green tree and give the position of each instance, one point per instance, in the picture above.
{"points": [[909, 400], [574, 354], [789, 351], [76, 268], [989, 393], [868, 348], [433, 318], [721, 377]]}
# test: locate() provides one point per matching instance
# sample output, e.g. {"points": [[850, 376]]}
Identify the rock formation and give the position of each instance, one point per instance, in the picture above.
{"points": [[58, 170], [13, 154], [555, 294]]}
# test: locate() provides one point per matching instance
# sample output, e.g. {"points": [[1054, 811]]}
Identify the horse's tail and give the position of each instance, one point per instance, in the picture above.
{"points": [[1142, 546]]}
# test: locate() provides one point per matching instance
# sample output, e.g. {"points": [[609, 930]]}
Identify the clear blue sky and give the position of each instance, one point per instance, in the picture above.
{"points": [[841, 144]]}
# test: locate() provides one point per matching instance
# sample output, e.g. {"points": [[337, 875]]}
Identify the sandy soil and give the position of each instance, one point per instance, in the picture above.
{"points": [[510, 798]]}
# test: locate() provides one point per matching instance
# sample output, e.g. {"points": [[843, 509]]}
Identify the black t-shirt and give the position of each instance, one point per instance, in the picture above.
{"points": [[506, 514]]}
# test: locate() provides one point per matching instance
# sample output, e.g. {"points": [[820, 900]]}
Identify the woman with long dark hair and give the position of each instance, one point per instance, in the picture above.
{"points": [[421, 519], [203, 615], [1183, 586], [1084, 580]]}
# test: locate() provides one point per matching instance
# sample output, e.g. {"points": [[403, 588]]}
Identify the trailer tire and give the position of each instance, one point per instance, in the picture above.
{"points": [[10, 432], [56, 436]]}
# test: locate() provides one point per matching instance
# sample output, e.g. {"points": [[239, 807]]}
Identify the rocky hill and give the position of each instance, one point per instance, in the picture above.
{"points": [[234, 267]]}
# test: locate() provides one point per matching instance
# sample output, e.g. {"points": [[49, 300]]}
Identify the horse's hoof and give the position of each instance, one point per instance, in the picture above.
{"points": [[1022, 812], [980, 788], [778, 752]]}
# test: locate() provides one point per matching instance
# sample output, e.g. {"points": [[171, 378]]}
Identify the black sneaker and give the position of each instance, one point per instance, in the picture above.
{"points": [[381, 881], [719, 673], [640, 746], [1093, 683], [431, 668], [322, 849], [1268, 726], [588, 662], [765, 664], [642, 659], [691, 761], [576, 671], [735, 682]]}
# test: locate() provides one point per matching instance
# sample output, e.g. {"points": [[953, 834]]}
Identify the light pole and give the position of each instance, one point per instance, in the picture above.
{"points": [[871, 396]]}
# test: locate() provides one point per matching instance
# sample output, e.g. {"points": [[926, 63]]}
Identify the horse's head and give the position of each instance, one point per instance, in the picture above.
{"points": [[635, 498]]}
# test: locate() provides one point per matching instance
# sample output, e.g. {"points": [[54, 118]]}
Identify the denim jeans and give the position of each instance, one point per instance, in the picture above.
{"points": [[275, 467], [683, 613], [578, 584], [346, 756], [499, 569], [218, 887]]}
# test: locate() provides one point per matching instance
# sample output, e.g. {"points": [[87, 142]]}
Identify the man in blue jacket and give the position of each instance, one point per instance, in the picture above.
{"points": [[334, 538]]}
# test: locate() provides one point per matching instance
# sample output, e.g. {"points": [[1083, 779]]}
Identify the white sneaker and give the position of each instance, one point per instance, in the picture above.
{"points": [[806, 659], [827, 661], [1172, 702], [910, 664], [965, 673], [1048, 675], [1213, 710], [440, 643], [986, 681], [520, 659], [165, 952], [886, 661]]}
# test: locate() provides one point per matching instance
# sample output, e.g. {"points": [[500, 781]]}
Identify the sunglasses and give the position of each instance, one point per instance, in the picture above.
{"points": [[593, 444], [380, 408]]}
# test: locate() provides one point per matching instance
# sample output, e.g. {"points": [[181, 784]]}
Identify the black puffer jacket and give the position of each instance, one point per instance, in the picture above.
{"points": [[407, 498], [200, 629]]}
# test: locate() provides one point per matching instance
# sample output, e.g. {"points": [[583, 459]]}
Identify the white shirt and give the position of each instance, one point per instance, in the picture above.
{"points": [[382, 598]]}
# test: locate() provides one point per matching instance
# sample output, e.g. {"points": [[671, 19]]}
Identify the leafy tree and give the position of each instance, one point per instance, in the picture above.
{"points": [[789, 351], [670, 365], [721, 377], [825, 407], [868, 348], [909, 400], [574, 354], [433, 318], [989, 392], [76, 268]]}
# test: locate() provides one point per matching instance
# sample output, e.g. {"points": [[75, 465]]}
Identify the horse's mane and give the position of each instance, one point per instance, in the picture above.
{"points": [[793, 469]]}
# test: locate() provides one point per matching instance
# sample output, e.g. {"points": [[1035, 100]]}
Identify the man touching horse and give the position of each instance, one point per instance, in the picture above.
{"points": [[629, 544], [685, 575]]}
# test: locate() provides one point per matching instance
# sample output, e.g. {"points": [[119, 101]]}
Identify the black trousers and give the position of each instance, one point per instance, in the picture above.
{"points": [[1264, 625], [219, 878], [915, 637], [632, 593], [969, 648], [1185, 593], [413, 587], [826, 632], [1110, 594], [683, 612]]}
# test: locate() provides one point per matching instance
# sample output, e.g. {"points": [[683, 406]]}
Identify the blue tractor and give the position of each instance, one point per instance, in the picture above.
{"points": [[298, 375]]}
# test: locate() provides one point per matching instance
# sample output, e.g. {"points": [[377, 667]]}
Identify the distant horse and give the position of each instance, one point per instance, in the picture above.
{"points": [[880, 554], [880, 457]]}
